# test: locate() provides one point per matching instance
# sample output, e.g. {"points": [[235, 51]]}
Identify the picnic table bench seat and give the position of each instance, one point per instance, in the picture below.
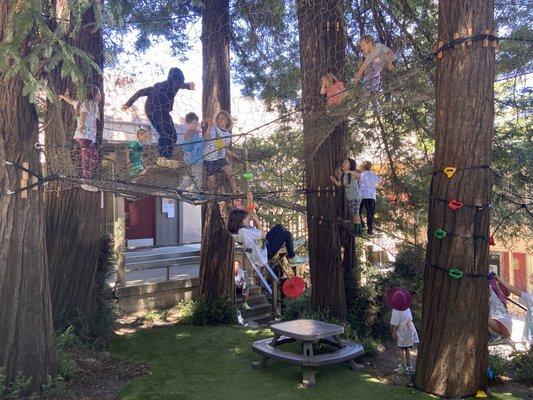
{"points": [[349, 351], [263, 347]]}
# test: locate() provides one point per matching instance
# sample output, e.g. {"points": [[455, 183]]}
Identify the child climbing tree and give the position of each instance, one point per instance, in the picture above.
{"points": [[73, 215], [322, 50], [216, 256], [453, 352]]}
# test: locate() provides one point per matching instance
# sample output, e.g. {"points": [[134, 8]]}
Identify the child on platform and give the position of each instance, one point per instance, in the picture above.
{"points": [[333, 89], [376, 57], [367, 184], [240, 284], [216, 150], [137, 166], [251, 237], [193, 148], [159, 104], [349, 180], [402, 328], [526, 299], [87, 112]]}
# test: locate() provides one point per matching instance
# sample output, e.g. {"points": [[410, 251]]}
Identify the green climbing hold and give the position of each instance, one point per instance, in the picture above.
{"points": [[455, 273], [440, 234], [248, 176]]}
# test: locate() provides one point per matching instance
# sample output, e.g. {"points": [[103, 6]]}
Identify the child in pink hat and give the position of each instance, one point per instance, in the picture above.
{"points": [[402, 328]]}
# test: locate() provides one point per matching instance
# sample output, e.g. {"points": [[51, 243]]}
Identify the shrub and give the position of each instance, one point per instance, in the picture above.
{"points": [[498, 364], [221, 311], [16, 389], [522, 364]]}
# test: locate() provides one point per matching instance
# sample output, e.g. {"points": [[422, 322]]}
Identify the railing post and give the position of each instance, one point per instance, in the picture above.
{"points": [[275, 296]]}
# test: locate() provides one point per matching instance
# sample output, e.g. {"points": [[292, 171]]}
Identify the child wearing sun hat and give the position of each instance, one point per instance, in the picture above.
{"points": [[402, 328]]}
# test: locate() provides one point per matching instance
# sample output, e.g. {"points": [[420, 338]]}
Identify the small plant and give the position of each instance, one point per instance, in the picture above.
{"points": [[499, 365], [522, 364], [55, 388], [221, 311], [156, 315], [16, 389]]}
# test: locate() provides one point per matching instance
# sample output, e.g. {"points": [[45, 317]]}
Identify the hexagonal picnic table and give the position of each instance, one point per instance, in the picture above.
{"points": [[307, 332]]}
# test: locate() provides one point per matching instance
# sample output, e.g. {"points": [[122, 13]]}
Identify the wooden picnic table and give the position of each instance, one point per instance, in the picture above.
{"points": [[307, 332]]}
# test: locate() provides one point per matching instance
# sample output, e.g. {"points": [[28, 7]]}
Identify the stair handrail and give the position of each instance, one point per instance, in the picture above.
{"points": [[272, 290]]}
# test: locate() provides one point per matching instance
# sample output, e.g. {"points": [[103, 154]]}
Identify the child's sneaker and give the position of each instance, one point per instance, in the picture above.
{"points": [[245, 306], [298, 260], [401, 369], [298, 243], [167, 163]]}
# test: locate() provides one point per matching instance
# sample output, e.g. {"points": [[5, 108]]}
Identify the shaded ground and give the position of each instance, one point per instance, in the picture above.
{"points": [[100, 375]]}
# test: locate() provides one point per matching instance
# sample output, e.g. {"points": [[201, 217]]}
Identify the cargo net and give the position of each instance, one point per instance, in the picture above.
{"points": [[152, 151]]}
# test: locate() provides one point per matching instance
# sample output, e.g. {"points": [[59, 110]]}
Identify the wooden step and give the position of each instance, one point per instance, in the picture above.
{"points": [[263, 319], [255, 299], [256, 309]]}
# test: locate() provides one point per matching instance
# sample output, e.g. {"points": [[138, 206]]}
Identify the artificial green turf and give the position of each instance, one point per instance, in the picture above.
{"points": [[203, 363]]}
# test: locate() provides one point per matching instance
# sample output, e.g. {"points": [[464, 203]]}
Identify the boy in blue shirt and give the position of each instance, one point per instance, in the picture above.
{"points": [[193, 147]]}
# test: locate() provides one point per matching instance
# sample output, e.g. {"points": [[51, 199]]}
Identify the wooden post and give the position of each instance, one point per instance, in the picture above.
{"points": [[119, 238]]}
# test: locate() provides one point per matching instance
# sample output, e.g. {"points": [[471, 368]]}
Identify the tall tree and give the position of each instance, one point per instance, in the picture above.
{"points": [[74, 229], [454, 365], [216, 255], [25, 310], [322, 49]]}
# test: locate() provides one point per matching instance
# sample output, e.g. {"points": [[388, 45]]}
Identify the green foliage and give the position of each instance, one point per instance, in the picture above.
{"points": [[499, 365], [522, 364], [156, 315], [65, 342], [36, 43], [221, 311], [17, 389]]}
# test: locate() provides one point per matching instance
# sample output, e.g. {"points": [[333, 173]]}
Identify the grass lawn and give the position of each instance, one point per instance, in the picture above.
{"points": [[189, 363]]}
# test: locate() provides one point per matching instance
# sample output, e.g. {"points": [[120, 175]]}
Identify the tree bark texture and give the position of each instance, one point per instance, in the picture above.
{"points": [[453, 353], [216, 254], [74, 229], [322, 49], [25, 311]]}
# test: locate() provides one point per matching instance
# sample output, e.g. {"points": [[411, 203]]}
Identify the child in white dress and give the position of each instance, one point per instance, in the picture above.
{"points": [[402, 328]]}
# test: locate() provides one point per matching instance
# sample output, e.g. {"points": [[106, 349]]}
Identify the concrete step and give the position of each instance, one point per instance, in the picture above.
{"points": [[133, 258], [256, 309], [171, 262]]}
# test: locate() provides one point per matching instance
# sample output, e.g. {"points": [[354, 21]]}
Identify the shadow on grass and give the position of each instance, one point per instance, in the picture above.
{"points": [[202, 363]]}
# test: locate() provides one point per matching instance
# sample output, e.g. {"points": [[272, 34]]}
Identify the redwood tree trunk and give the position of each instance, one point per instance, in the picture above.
{"points": [[73, 216], [216, 255], [322, 50], [25, 311], [453, 352]]}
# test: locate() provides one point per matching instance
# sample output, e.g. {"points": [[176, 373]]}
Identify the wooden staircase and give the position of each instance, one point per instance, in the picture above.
{"points": [[261, 310]]}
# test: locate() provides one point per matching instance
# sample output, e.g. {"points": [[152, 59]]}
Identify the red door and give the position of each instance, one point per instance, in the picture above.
{"points": [[506, 270], [140, 218], [520, 275]]}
